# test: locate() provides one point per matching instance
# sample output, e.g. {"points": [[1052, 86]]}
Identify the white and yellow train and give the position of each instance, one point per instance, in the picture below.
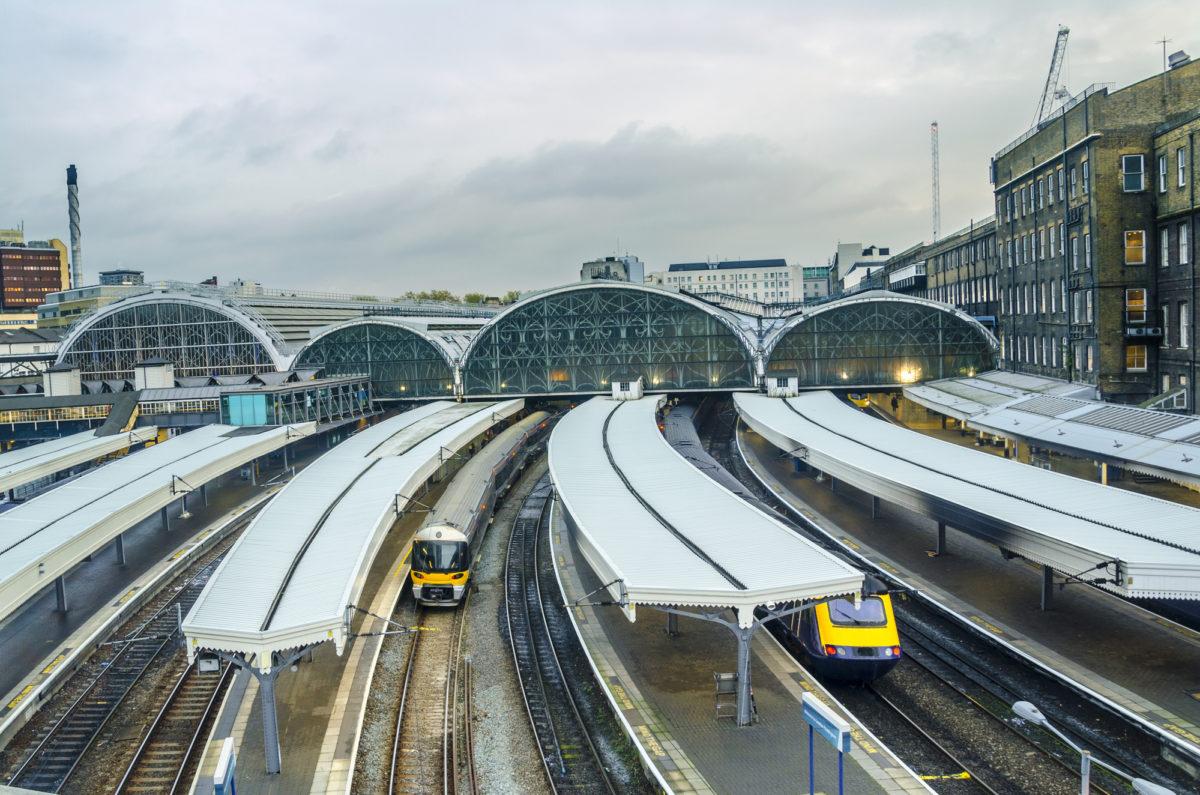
{"points": [[443, 549]]}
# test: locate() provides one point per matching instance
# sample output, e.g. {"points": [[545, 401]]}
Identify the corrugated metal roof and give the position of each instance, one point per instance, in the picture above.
{"points": [[1058, 520], [18, 467], [46, 536], [1062, 416], [288, 579], [671, 535]]}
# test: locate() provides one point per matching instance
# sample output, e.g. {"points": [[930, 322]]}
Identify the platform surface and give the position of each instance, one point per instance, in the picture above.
{"points": [[664, 688]]}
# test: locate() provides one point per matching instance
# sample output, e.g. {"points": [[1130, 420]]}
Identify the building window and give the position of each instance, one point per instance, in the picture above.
{"points": [[1088, 297], [1041, 244], [1053, 247], [1132, 173], [1064, 293], [1041, 194], [1183, 325], [1135, 305], [1183, 244], [1050, 187], [1135, 358], [1180, 167], [1135, 247], [1164, 312], [1166, 383], [1062, 239], [1024, 200], [1087, 249], [1164, 247], [1086, 178], [1062, 185], [1162, 173], [1091, 358], [1073, 182], [1074, 253]]}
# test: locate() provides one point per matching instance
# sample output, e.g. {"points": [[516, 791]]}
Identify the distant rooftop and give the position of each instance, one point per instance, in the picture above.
{"points": [[733, 264]]}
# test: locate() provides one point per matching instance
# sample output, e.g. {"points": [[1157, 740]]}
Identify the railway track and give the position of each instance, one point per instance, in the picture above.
{"points": [[431, 747], [569, 756], [59, 747], [163, 759]]}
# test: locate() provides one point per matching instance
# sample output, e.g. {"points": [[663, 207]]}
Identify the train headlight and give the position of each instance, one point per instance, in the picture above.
{"points": [[887, 652], [457, 576], [418, 575]]}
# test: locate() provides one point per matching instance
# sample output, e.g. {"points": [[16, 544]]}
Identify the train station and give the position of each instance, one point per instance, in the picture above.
{"points": [[619, 537]]}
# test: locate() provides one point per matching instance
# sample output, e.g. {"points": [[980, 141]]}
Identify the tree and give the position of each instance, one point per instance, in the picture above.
{"points": [[511, 297], [474, 298]]}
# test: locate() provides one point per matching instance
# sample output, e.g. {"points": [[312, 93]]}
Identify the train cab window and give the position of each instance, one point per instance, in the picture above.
{"points": [[439, 556], [869, 613]]}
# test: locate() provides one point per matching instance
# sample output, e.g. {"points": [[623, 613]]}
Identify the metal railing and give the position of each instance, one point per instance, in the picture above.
{"points": [[1094, 88]]}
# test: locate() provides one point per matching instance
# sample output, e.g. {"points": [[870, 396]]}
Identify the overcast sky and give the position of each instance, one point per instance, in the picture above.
{"points": [[491, 146]]}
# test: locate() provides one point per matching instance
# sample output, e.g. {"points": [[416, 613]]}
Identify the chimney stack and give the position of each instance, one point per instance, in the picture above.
{"points": [[73, 213]]}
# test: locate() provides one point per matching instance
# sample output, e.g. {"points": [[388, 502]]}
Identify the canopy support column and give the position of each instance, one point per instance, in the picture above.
{"points": [[940, 549], [266, 691], [204, 493], [874, 507], [60, 593], [166, 520], [1047, 587], [120, 549], [745, 692]]}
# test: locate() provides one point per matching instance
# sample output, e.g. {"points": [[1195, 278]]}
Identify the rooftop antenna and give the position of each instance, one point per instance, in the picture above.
{"points": [[1164, 41], [1052, 90], [937, 183]]}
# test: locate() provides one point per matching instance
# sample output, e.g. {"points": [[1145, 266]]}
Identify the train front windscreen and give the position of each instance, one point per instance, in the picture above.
{"points": [[440, 557]]}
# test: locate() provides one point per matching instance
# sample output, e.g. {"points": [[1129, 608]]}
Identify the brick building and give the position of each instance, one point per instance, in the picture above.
{"points": [[1173, 177], [1076, 218], [959, 269]]}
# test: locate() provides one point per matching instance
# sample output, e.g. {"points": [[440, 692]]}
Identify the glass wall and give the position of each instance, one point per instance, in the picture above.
{"points": [[198, 340], [580, 340], [881, 343], [401, 363]]}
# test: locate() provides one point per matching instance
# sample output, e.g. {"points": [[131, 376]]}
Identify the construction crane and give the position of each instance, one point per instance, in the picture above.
{"points": [[937, 183], [1052, 91]]}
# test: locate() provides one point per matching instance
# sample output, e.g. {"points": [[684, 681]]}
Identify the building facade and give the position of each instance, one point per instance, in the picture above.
{"points": [[29, 272], [960, 269], [763, 280], [853, 264], [1173, 171], [621, 269], [1076, 214], [816, 282], [122, 276]]}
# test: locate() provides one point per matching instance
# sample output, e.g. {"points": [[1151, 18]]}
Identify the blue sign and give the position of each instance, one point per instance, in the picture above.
{"points": [[821, 719], [827, 723]]}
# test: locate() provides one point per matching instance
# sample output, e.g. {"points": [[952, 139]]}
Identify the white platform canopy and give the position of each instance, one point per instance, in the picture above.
{"points": [[289, 579], [1063, 416], [657, 531], [1128, 543], [18, 467], [44, 538]]}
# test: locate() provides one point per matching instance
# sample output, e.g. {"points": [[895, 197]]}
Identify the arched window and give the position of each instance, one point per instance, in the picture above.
{"points": [[580, 339], [400, 362]]}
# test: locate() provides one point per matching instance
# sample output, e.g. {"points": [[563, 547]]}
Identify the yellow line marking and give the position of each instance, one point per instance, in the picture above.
{"points": [[20, 697], [850, 543], [57, 661], [127, 596]]}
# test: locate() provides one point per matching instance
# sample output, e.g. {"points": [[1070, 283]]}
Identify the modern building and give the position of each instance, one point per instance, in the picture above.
{"points": [[1177, 221], [29, 271], [853, 263], [764, 280], [622, 269], [63, 308], [122, 276], [1077, 212]]}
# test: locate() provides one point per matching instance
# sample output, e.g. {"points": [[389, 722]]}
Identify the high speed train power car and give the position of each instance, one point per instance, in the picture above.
{"points": [[850, 643], [441, 558]]}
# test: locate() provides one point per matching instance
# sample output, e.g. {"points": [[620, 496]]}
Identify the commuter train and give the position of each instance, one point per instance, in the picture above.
{"points": [[860, 399], [846, 643], [443, 548]]}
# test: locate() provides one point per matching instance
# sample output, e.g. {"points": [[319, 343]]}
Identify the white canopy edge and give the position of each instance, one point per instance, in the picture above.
{"points": [[1068, 544], [130, 494], [377, 496], [37, 461]]}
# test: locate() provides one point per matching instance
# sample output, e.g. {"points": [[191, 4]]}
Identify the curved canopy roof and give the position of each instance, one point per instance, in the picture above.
{"points": [[287, 581], [1139, 546], [650, 520], [18, 467], [45, 537]]}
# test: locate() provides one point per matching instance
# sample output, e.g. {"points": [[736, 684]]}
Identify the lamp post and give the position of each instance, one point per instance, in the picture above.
{"points": [[1029, 712]]}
